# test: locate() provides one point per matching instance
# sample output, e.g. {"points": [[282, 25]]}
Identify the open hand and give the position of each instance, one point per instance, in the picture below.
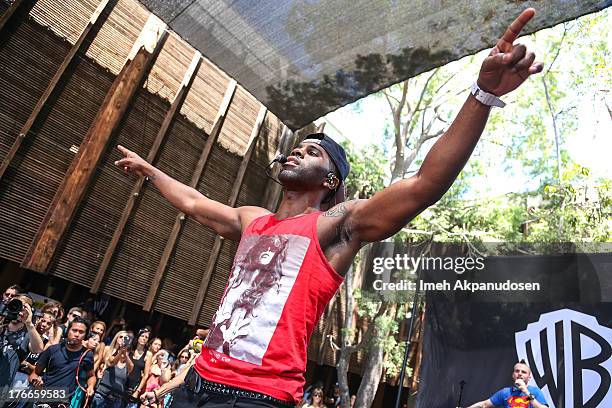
{"points": [[509, 65], [132, 162]]}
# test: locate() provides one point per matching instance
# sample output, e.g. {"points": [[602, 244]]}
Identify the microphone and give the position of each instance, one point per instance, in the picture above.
{"points": [[280, 158]]}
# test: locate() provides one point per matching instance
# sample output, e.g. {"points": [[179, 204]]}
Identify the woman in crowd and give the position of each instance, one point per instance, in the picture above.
{"points": [[183, 361], [138, 355], [112, 386], [99, 327], [54, 334], [317, 399], [160, 371]]}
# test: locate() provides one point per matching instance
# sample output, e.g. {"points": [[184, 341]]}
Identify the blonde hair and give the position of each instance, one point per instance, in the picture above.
{"points": [[111, 350]]}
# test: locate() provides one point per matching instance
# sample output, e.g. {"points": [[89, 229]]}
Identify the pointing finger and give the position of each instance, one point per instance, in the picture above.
{"points": [[123, 150], [514, 30]]}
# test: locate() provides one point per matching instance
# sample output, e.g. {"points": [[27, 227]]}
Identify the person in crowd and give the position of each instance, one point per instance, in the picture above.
{"points": [[317, 399], [8, 294], [99, 327], [138, 355], [18, 338], [517, 395], [113, 386], [61, 365], [353, 399], [160, 371], [170, 347], [11, 292], [90, 343], [43, 324], [72, 313], [183, 362], [55, 308]]}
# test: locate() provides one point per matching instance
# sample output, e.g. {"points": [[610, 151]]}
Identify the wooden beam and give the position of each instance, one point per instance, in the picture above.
{"points": [[83, 166], [85, 35], [179, 98], [273, 189], [6, 17], [214, 254], [195, 179]]}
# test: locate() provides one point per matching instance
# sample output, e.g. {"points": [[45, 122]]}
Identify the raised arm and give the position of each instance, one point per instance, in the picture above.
{"points": [[505, 68], [225, 220]]}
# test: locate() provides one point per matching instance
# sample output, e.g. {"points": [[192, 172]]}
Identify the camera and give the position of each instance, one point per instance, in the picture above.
{"points": [[126, 340], [10, 311]]}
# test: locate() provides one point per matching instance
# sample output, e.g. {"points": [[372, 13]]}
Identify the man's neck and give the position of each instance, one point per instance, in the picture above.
{"points": [[297, 203], [16, 326], [76, 347]]}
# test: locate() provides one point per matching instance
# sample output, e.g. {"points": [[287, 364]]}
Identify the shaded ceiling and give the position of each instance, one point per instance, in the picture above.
{"points": [[303, 59]]}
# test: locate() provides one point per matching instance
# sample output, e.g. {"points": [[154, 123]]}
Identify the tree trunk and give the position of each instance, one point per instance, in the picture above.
{"points": [[372, 370]]}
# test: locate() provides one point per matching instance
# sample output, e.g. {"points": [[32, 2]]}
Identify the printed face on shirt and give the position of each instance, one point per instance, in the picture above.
{"points": [[263, 274]]}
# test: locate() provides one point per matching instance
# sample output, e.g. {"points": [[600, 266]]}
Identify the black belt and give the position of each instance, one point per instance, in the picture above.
{"points": [[196, 383]]}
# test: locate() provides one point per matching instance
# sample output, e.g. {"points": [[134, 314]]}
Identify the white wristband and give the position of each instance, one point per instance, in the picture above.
{"points": [[486, 98]]}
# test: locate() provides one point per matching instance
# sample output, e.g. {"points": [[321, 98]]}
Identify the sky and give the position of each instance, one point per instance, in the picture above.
{"points": [[590, 146]]}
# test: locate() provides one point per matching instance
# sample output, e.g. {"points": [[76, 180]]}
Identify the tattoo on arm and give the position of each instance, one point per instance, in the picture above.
{"points": [[337, 211]]}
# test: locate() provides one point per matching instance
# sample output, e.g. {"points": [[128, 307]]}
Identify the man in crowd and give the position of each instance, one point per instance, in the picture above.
{"points": [[72, 313], [520, 395], [60, 365], [17, 339], [10, 293], [289, 264]]}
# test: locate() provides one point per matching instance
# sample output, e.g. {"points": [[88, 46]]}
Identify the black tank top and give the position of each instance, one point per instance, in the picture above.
{"points": [[136, 374]]}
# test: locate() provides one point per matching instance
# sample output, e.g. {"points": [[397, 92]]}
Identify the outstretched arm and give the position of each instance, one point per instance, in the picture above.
{"points": [[506, 67], [225, 220], [482, 404]]}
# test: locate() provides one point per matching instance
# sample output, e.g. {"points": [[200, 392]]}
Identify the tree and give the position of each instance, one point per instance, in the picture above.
{"points": [[561, 199]]}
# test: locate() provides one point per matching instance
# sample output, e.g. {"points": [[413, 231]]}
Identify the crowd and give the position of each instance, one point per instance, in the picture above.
{"points": [[98, 365]]}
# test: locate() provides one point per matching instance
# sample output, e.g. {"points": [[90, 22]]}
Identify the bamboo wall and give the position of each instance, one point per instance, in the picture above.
{"points": [[33, 46]]}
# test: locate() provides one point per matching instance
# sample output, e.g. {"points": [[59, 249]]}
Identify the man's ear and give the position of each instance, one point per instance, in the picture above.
{"points": [[331, 181]]}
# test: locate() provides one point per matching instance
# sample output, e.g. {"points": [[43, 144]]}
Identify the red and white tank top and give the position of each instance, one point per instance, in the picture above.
{"points": [[278, 288]]}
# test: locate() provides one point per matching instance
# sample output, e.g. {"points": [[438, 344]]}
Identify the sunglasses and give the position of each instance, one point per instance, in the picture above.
{"points": [[316, 394]]}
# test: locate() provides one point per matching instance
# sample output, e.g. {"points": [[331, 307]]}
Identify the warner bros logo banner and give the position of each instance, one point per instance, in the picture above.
{"points": [[570, 355]]}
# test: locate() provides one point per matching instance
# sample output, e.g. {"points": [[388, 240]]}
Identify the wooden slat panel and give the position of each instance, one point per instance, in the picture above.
{"points": [[78, 176], [66, 18], [10, 13], [85, 34], [30, 183], [210, 266], [207, 92], [151, 156], [239, 123], [113, 43]]}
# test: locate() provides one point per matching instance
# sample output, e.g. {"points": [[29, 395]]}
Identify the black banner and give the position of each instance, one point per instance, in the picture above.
{"points": [[565, 336]]}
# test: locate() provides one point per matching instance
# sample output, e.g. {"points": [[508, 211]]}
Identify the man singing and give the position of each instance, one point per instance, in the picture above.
{"points": [[289, 264], [520, 395]]}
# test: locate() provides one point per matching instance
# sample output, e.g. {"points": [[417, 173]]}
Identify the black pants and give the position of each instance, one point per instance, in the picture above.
{"points": [[186, 397]]}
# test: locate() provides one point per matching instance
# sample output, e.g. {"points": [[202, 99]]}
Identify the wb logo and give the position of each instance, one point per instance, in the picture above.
{"points": [[570, 356]]}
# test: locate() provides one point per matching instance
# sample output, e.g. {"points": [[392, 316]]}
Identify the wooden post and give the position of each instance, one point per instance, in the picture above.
{"points": [[85, 34], [107, 120], [195, 179], [179, 98], [214, 254]]}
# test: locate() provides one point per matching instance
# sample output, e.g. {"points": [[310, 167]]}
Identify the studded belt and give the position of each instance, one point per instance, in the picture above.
{"points": [[198, 384]]}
